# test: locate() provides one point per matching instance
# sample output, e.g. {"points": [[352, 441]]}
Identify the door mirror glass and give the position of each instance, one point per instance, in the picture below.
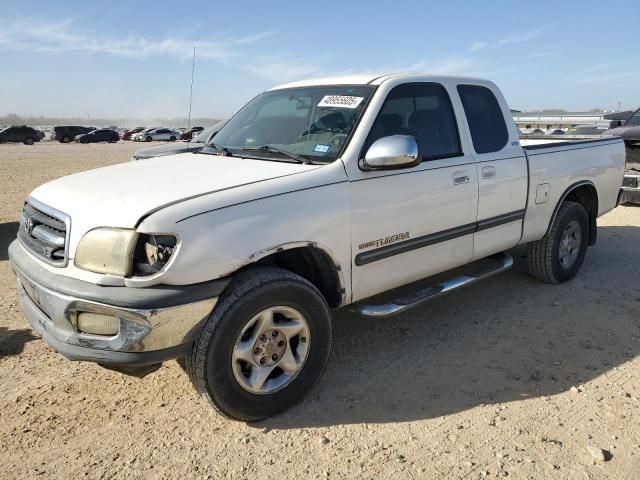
{"points": [[395, 151]]}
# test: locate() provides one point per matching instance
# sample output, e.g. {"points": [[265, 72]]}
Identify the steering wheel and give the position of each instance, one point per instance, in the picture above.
{"points": [[320, 125]]}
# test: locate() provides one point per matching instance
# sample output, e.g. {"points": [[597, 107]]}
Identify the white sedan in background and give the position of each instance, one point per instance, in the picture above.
{"points": [[158, 134]]}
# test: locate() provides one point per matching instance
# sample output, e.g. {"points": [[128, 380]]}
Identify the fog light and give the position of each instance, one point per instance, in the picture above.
{"points": [[98, 323]]}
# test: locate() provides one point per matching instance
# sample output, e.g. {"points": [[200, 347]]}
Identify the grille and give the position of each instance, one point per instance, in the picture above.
{"points": [[45, 232]]}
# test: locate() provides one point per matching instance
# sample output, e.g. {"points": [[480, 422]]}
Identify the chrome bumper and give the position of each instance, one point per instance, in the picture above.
{"points": [[146, 335]]}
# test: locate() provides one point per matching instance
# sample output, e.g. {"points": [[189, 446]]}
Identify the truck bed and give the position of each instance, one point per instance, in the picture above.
{"points": [[557, 164]]}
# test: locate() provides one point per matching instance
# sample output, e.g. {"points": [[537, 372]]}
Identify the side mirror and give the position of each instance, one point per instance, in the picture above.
{"points": [[396, 151]]}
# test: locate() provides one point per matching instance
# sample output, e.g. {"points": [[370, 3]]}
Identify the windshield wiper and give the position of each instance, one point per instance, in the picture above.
{"points": [[224, 151], [269, 148]]}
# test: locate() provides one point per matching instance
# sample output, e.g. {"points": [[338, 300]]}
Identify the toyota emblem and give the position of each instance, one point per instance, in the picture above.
{"points": [[28, 225]]}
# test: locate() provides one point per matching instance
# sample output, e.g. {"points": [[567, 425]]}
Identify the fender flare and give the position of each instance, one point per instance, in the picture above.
{"points": [[265, 252], [592, 224]]}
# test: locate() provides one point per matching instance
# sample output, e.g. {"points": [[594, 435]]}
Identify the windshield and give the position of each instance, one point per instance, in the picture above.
{"points": [[310, 122], [634, 120]]}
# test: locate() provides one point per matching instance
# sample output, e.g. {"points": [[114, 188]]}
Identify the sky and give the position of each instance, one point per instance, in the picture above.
{"points": [[132, 59]]}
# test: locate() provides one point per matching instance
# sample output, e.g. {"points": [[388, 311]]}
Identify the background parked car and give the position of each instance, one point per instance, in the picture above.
{"points": [[127, 134], [189, 134], [554, 131], [21, 133], [140, 136], [66, 133], [160, 134], [587, 130], [194, 145], [102, 135], [532, 131]]}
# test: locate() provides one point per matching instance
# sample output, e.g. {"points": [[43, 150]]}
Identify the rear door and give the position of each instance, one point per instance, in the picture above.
{"points": [[410, 223], [501, 168]]}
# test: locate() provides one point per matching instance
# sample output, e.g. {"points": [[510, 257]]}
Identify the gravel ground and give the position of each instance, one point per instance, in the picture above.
{"points": [[508, 378]]}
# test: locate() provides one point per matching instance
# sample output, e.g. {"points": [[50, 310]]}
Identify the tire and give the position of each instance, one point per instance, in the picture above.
{"points": [[65, 140], [221, 378], [554, 259], [28, 141], [172, 138], [148, 139]]}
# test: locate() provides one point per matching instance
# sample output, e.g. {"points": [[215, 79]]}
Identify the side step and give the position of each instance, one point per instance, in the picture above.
{"points": [[489, 267]]}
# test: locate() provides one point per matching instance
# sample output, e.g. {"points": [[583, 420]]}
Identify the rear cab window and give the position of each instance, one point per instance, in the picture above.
{"points": [[424, 111], [486, 123]]}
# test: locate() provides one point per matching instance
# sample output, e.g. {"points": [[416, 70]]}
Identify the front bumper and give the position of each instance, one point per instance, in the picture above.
{"points": [[156, 323]]}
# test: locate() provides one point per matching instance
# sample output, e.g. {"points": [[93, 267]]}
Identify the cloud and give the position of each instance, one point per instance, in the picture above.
{"points": [[477, 46], [611, 73], [33, 35], [283, 68], [524, 36], [521, 37], [29, 34], [542, 54]]}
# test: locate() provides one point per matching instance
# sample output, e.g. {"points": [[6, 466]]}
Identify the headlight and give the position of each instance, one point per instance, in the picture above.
{"points": [[152, 253], [107, 250]]}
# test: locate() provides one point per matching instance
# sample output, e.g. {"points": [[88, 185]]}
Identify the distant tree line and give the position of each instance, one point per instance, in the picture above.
{"points": [[15, 119]]}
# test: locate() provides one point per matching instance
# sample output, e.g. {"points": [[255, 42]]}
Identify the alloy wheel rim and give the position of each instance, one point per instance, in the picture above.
{"points": [[570, 243], [271, 350]]}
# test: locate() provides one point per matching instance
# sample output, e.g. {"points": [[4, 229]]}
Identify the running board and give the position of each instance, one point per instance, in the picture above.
{"points": [[491, 266]]}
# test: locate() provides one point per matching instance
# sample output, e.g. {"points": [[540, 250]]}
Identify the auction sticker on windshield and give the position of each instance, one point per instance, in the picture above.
{"points": [[321, 148], [340, 101]]}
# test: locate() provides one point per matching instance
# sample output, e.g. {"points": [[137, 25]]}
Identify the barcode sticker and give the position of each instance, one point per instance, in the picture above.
{"points": [[340, 101]]}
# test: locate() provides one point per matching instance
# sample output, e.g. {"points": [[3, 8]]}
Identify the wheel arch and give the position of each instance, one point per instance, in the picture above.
{"points": [[310, 260], [586, 194]]}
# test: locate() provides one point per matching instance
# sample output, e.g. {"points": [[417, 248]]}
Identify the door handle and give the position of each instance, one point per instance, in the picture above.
{"points": [[489, 172], [460, 177]]}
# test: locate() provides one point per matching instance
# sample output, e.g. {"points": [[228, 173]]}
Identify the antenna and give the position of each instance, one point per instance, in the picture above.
{"points": [[193, 67]]}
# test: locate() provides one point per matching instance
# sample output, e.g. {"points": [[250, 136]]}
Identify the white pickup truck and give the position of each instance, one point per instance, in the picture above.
{"points": [[316, 195]]}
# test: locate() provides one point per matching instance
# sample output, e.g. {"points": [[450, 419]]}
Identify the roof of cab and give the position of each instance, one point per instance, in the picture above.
{"points": [[361, 79], [364, 79]]}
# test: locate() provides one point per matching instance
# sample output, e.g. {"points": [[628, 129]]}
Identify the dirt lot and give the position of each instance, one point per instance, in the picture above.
{"points": [[509, 378]]}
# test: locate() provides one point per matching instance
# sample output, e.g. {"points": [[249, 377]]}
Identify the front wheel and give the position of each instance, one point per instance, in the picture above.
{"points": [[264, 347], [148, 139], [558, 256], [28, 141]]}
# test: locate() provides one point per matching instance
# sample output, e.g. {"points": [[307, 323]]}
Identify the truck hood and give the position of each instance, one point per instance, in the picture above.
{"points": [[169, 149], [120, 195]]}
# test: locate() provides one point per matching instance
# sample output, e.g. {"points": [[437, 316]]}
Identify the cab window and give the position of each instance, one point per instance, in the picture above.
{"points": [[484, 116], [424, 111]]}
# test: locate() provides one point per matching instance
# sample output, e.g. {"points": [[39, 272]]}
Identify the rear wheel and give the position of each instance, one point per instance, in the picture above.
{"points": [[148, 139], [558, 256], [172, 138], [28, 141], [264, 347], [65, 139]]}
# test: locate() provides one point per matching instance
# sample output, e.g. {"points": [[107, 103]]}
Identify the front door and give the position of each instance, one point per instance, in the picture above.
{"points": [[413, 222]]}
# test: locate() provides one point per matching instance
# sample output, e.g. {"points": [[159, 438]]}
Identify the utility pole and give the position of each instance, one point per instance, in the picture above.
{"points": [[193, 67]]}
